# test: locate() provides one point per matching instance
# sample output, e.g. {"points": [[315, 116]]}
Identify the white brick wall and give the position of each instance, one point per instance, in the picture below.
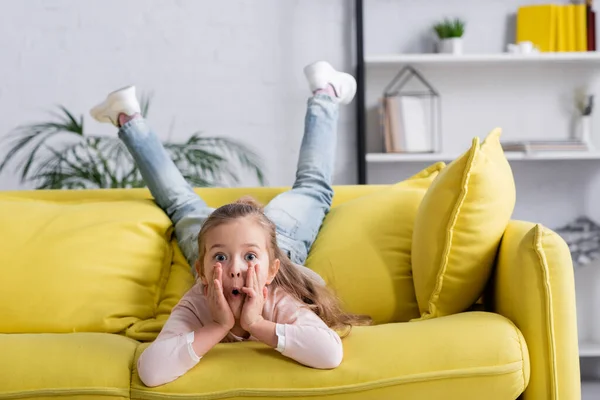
{"points": [[231, 67]]}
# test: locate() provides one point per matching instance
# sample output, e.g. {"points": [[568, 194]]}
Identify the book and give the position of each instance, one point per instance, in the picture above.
{"points": [[537, 24], [384, 125], [590, 26], [393, 124], [544, 145], [405, 125], [580, 27], [561, 28], [570, 27], [414, 124]]}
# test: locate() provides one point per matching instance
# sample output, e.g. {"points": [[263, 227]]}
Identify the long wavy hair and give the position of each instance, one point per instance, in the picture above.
{"points": [[318, 298]]}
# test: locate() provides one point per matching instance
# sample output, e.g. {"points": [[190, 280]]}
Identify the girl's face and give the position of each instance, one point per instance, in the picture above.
{"points": [[235, 245]]}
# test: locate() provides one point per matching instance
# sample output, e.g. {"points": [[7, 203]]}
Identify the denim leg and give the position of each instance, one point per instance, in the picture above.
{"points": [[171, 191], [299, 212]]}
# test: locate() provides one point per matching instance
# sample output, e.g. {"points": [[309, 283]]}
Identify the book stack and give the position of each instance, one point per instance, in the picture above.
{"points": [[558, 27], [532, 146], [405, 124]]}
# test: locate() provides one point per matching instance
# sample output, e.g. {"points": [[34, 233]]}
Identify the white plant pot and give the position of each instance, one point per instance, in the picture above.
{"points": [[451, 46], [583, 130]]}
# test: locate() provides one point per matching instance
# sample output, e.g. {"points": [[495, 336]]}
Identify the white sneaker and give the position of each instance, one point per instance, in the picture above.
{"points": [[122, 101], [321, 73]]}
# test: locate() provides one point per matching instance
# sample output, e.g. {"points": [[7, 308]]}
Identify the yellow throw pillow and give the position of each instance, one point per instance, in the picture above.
{"points": [[96, 267], [458, 228], [180, 280], [363, 250]]}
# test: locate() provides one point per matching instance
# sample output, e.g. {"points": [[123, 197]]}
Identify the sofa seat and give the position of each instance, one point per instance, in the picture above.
{"points": [[471, 355], [73, 365]]}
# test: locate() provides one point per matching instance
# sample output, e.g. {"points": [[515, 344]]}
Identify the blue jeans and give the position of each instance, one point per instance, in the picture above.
{"points": [[297, 213]]}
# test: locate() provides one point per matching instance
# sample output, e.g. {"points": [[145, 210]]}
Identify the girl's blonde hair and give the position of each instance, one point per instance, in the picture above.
{"points": [[321, 300]]}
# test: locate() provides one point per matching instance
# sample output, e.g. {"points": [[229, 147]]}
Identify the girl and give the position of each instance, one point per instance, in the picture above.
{"points": [[251, 285]]}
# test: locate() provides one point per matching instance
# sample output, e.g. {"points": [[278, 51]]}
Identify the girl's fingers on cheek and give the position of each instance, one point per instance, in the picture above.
{"points": [[249, 275]]}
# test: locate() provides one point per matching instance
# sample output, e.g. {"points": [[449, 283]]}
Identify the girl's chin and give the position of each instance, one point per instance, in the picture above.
{"points": [[236, 304]]}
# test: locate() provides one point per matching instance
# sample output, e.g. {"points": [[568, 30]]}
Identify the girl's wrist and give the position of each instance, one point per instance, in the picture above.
{"points": [[222, 328], [254, 324], [265, 331]]}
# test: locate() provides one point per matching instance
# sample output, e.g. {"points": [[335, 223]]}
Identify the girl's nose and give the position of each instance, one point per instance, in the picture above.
{"points": [[237, 269]]}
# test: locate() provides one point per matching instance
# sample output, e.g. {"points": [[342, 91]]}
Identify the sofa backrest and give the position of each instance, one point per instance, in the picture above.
{"points": [[98, 260]]}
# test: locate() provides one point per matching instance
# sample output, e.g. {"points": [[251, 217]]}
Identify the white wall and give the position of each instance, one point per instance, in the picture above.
{"points": [[231, 68], [234, 68]]}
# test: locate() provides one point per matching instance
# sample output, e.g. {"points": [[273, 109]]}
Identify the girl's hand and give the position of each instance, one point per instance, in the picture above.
{"points": [[219, 309], [255, 298]]}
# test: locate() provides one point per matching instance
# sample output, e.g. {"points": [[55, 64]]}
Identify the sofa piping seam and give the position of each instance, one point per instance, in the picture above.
{"points": [[519, 335], [543, 262], [434, 297], [24, 394], [508, 368]]}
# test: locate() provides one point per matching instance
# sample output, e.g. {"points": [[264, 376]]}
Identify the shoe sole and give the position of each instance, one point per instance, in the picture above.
{"points": [[324, 68], [101, 111]]}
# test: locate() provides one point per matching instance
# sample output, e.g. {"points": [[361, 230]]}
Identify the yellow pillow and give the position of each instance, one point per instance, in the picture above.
{"points": [[363, 250], [96, 267], [458, 228], [180, 280]]}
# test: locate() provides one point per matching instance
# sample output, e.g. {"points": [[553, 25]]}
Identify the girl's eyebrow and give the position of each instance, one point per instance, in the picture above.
{"points": [[218, 245]]}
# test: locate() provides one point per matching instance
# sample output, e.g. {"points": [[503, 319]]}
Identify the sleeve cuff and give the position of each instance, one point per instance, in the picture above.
{"points": [[280, 332], [190, 339]]}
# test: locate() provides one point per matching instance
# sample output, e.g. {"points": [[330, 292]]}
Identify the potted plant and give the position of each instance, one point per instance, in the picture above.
{"points": [[450, 33], [56, 154]]}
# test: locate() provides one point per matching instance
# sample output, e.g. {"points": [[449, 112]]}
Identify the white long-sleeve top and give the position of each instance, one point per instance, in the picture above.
{"points": [[302, 336]]}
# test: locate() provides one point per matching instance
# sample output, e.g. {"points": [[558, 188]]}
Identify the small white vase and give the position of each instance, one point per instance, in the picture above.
{"points": [[583, 130], [451, 46]]}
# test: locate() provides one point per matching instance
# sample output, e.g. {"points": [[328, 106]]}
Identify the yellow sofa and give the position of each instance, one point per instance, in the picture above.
{"points": [[87, 278]]}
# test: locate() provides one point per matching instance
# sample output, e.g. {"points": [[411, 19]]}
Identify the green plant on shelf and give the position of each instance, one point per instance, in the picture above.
{"points": [[56, 154], [450, 28]]}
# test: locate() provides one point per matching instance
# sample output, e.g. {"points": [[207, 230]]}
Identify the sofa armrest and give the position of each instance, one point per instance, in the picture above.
{"points": [[534, 287]]}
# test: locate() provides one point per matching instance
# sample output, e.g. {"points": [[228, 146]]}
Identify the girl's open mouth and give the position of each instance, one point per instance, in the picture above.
{"points": [[235, 292]]}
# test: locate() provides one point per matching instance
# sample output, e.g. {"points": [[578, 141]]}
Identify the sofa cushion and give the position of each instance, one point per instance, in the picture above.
{"points": [[90, 266], [179, 281], [458, 228], [465, 356], [363, 250], [75, 365]]}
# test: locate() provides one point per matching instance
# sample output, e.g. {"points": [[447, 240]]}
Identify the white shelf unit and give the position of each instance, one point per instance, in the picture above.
{"points": [[529, 96], [448, 60], [513, 156]]}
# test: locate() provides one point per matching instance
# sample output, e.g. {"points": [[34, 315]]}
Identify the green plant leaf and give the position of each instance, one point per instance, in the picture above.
{"points": [[450, 28], [35, 135], [91, 161]]}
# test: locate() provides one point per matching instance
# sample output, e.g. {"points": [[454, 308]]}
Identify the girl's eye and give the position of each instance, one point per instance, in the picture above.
{"points": [[250, 257], [220, 257]]}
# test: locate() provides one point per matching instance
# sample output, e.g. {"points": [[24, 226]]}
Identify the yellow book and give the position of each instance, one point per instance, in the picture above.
{"points": [[580, 27], [561, 28], [570, 28], [537, 24]]}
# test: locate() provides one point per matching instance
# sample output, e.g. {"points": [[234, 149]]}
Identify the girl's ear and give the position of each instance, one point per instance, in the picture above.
{"points": [[197, 266], [273, 270]]}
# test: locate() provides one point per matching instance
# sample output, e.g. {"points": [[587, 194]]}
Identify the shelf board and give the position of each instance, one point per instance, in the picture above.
{"points": [[589, 349], [516, 156], [592, 58]]}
